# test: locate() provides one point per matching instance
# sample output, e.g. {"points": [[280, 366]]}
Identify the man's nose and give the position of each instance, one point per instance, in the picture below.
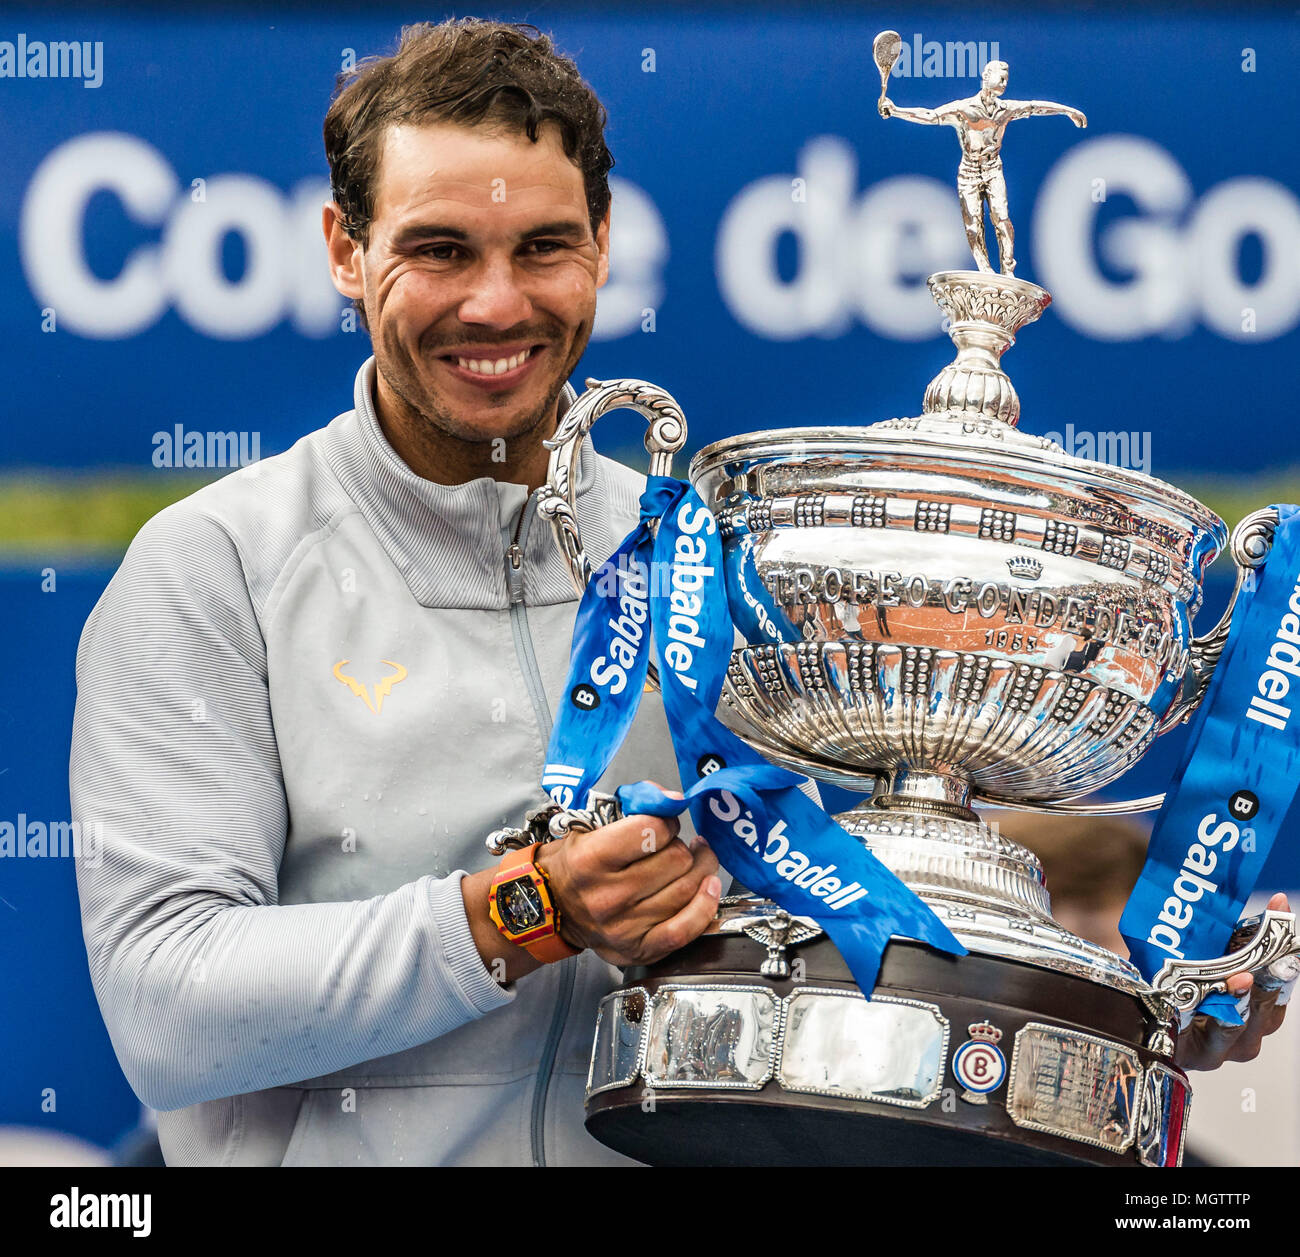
{"points": [[495, 297]]}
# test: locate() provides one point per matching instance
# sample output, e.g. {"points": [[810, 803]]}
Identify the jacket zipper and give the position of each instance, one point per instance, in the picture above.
{"points": [[537, 692], [519, 618]]}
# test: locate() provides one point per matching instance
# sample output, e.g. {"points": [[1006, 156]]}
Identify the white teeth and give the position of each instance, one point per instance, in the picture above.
{"points": [[486, 366]]}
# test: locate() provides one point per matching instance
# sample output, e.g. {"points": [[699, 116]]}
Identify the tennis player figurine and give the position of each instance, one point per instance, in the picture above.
{"points": [[980, 122]]}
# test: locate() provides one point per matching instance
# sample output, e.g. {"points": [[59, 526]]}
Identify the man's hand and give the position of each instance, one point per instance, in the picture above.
{"points": [[1206, 1044], [886, 107], [1076, 116], [632, 891]]}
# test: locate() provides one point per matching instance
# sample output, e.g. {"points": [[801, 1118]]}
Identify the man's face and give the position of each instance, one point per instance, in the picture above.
{"points": [[480, 254]]}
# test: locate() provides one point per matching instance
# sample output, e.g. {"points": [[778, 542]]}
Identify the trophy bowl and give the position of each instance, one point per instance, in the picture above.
{"points": [[956, 616]]}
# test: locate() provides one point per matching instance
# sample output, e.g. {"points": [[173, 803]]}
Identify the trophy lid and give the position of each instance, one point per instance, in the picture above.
{"points": [[914, 455]]}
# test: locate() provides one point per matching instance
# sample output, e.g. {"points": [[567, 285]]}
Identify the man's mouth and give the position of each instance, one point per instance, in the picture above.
{"points": [[494, 369]]}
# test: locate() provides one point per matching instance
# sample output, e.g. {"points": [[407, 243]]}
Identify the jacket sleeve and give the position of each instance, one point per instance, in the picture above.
{"points": [[208, 986]]}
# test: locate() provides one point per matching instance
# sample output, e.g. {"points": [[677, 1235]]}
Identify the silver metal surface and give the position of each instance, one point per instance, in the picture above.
{"points": [[890, 1050], [777, 931], [1028, 659], [712, 1035], [551, 821], [535, 829], [616, 1054], [1271, 953], [1078, 1086], [980, 122], [885, 49], [558, 498], [1162, 1118], [748, 915], [988, 891], [818, 1041]]}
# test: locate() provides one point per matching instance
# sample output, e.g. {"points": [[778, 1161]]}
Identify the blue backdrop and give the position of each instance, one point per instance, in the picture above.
{"points": [[1168, 230], [160, 264]]}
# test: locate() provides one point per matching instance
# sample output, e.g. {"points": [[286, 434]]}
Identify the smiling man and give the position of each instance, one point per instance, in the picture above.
{"points": [[314, 687]]}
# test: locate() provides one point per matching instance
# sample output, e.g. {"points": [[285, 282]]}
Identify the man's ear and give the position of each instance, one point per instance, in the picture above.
{"points": [[345, 254], [602, 246]]}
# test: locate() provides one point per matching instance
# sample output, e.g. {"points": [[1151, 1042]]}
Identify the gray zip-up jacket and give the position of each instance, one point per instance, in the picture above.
{"points": [[309, 692]]}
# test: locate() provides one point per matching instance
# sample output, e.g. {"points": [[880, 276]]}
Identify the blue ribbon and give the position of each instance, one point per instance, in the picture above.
{"points": [[1238, 777], [751, 813], [753, 609], [609, 659]]}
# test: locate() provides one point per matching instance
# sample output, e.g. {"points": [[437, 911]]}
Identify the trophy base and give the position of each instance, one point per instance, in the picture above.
{"points": [[703, 1059]]}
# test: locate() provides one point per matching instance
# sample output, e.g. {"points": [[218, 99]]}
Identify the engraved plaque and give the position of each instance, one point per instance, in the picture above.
{"points": [[1075, 1085], [711, 1036]]}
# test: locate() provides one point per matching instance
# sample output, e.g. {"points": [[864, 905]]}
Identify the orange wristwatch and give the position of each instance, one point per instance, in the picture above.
{"points": [[521, 907]]}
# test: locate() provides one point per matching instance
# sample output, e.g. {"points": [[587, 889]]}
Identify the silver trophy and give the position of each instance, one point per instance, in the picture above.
{"points": [[941, 610]]}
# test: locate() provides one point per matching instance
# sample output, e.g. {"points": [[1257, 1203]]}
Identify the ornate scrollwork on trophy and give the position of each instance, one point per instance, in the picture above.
{"points": [[1250, 544], [1185, 983], [984, 313], [558, 498], [1000, 301]]}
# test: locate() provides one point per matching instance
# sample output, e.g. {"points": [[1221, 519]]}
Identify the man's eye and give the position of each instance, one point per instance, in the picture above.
{"points": [[546, 246], [435, 251]]}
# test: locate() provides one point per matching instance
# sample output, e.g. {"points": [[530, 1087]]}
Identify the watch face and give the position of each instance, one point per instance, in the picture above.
{"points": [[520, 905]]}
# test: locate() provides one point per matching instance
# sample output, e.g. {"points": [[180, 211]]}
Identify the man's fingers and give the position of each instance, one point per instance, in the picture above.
{"points": [[647, 877], [675, 872], [1212, 1041], [670, 897], [1206, 1043], [686, 925], [1265, 1012], [633, 838]]}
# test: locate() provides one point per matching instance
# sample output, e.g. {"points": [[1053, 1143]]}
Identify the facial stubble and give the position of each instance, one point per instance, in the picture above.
{"points": [[427, 419]]}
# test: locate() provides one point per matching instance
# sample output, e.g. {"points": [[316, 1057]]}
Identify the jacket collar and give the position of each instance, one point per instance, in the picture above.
{"points": [[450, 541]]}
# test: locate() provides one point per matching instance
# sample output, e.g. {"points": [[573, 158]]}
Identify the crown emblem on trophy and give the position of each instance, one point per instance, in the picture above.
{"points": [[984, 1032], [1024, 567]]}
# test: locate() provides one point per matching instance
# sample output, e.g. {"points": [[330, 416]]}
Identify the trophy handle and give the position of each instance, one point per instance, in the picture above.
{"points": [[551, 821], [558, 497], [1271, 955], [1251, 541]]}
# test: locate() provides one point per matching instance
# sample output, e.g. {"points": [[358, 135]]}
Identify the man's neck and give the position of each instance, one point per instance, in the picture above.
{"points": [[445, 459]]}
